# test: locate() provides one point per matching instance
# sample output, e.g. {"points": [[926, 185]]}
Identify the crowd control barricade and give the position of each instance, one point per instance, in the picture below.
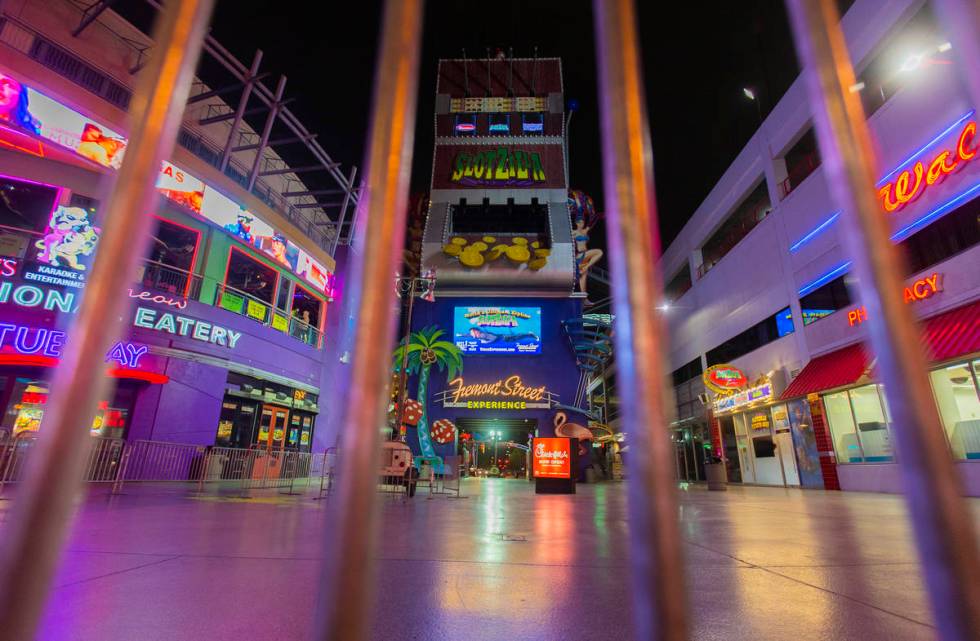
{"points": [[14, 451], [448, 482], [325, 468], [159, 461], [102, 463]]}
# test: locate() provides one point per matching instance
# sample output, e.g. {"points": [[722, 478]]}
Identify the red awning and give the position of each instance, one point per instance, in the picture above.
{"points": [[953, 333], [946, 336], [836, 369]]}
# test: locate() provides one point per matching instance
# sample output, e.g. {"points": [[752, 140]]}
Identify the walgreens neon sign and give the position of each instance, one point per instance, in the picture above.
{"points": [[914, 181]]}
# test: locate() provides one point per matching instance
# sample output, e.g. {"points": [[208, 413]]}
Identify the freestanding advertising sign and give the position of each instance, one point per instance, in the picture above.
{"points": [[552, 461]]}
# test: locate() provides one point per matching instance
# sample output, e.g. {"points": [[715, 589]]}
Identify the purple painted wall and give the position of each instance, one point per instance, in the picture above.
{"points": [[186, 409]]}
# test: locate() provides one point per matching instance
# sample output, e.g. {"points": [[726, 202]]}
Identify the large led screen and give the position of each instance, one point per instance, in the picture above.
{"points": [[497, 330], [33, 113]]}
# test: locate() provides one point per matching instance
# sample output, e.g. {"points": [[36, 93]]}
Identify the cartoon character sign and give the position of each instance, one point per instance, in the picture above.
{"points": [[70, 236]]}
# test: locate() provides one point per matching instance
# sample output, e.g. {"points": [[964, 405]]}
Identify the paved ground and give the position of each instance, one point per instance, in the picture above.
{"points": [[501, 564]]}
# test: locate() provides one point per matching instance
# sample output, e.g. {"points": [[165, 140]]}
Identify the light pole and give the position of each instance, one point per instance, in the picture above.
{"points": [[409, 287]]}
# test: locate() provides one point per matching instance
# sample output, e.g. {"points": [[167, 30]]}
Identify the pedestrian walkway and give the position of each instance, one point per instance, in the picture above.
{"points": [[763, 563]]}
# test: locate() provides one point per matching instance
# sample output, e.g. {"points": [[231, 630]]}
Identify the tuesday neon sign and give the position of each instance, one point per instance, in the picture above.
{"points": [[912, 182], [41, 341]]}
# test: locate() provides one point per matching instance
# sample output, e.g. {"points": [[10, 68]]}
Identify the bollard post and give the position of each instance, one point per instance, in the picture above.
{"points": [[940, 517], [634, 247], [347, 571], [41, 515]]}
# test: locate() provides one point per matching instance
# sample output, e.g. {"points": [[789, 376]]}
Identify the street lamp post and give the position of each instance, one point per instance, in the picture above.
{"points": [[409, 287]]}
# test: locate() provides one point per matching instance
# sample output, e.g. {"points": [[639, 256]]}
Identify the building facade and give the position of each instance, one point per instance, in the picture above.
{"points": [[499, 240], [757, 280], [224, 341]]}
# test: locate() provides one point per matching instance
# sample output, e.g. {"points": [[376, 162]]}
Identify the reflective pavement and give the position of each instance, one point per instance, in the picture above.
{"points": [[501, 563]]}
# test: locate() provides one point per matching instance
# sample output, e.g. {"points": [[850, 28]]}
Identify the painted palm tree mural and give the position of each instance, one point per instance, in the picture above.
{"points": [[425, 349]]}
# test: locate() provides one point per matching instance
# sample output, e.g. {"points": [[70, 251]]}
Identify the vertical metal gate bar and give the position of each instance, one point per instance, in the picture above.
{"points": [[342, 218], [347, 576], [940, 518], [41, 513], [627, 160]]}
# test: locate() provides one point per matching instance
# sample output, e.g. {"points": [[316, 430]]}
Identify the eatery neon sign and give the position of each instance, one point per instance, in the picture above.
{"points": [[911, 183]]}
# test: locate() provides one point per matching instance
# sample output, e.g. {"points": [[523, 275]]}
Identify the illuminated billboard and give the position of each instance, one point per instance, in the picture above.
{"points": [[497, 330], [30, 111], [551, 458]]}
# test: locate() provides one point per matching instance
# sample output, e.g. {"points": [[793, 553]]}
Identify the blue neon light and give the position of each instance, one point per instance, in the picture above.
{"points": [[816, 230], [906, 231], [924, 147], [826, 278]]}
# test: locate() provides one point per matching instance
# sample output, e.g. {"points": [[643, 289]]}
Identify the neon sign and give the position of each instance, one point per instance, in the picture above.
{"points": [[179, 303], [510, 393], [28, 340], [185, 326], [498, 167], [751, 396], [8, 267], [911, 183], [921, 289], [724, 378]]}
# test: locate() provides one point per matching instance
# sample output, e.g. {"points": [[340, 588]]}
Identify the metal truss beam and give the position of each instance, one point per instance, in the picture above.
{"points": [[91, 13], [313, 192], [274, 143], [204, 95]]}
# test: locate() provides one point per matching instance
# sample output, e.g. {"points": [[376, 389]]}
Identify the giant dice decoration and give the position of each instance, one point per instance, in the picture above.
{"points": [[412, 413], [443, 431]]}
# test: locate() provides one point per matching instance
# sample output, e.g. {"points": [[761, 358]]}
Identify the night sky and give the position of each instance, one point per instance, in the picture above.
{"points": [[697, 58]]}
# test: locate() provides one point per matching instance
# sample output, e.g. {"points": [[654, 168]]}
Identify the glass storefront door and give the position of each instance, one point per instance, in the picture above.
{"points": [[730, 448], [272, 427]]}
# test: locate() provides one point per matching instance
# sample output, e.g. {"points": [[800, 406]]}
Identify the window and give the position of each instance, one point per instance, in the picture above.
{"points": [[500, 219], [500, 124], [24, 206], [958, 397], [955, 232], [465, 125], [763, 332], [739, 223], [825, 300], [686, 372], [679, 284], [306, 313], [801, 161], [246, 275], [532, 124], [859, 425], [906, 59], [171, 258]]}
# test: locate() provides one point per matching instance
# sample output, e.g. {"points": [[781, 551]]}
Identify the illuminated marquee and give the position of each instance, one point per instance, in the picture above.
{"points": [[28, 340], [498, 167], [505, 394], [921, 289], [724, 378], [751, 396], [912, 182]]}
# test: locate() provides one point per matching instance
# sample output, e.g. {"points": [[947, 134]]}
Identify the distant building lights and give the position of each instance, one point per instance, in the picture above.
{"points": [[748, 93], [944, 47], [856, 87]]}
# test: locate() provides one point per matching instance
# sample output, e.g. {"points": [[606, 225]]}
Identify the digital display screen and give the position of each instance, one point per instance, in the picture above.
{"points": [[497, 330]]}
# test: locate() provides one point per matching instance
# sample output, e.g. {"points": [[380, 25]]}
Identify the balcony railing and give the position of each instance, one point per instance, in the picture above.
{"points": [[174, 281]]}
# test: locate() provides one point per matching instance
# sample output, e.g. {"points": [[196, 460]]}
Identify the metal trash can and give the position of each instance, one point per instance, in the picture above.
{"points": [[717, 477]]}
